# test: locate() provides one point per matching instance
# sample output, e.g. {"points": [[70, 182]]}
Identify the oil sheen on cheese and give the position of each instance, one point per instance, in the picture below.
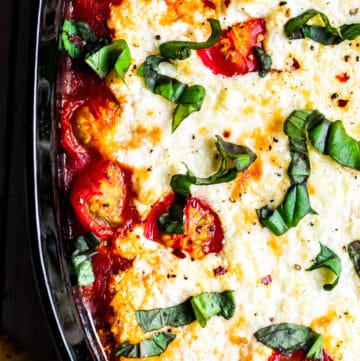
{"points": [[251, 111]]}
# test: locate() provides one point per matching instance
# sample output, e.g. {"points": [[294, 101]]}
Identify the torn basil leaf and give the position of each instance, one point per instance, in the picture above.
{"points": [[85, 248], [316, 350], [201, 308], [344, 149], [264, 61], [189, 99], [182, 49], [155, 319], [298, 28], [288, 338], [113, 56], [209, 304], [241, 158], [330, 260], [295, 206], [77, 38], [153, 346], [330, 138], [354, 253]]}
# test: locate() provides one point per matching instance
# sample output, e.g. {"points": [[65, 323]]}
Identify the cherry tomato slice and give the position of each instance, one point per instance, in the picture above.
{"points": [[100, 196], [203, 232], [295, 356], [83, 118], [233, 53]]}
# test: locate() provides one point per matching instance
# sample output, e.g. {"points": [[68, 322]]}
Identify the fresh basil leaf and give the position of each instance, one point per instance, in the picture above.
{"points": [[153, 346], [189, 99], [173, 222], [344, 149], [354, 253], [316, 350], [182, 49], [350, 31], [155, 319], [287, 337], [264, 61], [318, 130], [295, 124], [113, 56], [330, 260], [77, 38], [297, 28], [272, 219], [242, 156], [201, 308], [209, 304], [296, 205], [85, 248]]}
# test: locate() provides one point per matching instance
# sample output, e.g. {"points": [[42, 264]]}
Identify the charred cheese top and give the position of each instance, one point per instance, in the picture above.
{"points": [[251, 111]]}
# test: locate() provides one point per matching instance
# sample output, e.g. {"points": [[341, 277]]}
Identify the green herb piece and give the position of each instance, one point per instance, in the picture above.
{"points": [[155, 319], [344, 149], [77, 38], [239, 156], [85, 248], [316, 350], [113, 56], [295, 206], [327, 259], [354, 253], [201, 308], [209, 304], [288, 338], [330, 138], [189, 99], [153, 346], [264, 61], [182, 49], [298, 28]]}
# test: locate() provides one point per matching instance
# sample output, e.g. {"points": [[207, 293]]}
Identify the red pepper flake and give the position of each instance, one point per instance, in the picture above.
{"points": [[266, 280], [179, 253], [209, 4], [343, 77], [219, 271], [342, 103], [227, 3], [295, 65], [226, 133]]}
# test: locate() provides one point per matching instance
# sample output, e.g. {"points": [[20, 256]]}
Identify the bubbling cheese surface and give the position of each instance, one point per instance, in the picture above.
{"points": [[251, 110]]}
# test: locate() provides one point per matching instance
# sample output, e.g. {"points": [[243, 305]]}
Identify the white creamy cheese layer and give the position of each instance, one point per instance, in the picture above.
{"points": [[252, 110]]}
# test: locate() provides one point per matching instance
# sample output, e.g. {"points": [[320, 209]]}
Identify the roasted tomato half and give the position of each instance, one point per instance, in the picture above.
{"points": [[295, 356], [233, 53], [105, 263], [203, 232], [100, 197], [83, 120]]}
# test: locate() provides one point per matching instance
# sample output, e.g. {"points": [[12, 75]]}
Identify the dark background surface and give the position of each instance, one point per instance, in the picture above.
{"points": [[21, 317]]}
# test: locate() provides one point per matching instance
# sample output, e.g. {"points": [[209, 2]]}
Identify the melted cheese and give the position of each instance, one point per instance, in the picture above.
{"points": [[251, 110]]}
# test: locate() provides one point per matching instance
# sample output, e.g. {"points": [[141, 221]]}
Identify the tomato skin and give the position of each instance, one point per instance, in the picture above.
{"points": [[100, 182], [203, 232], [295, 356], [98, 295], [152, 231], [233, 54]]}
